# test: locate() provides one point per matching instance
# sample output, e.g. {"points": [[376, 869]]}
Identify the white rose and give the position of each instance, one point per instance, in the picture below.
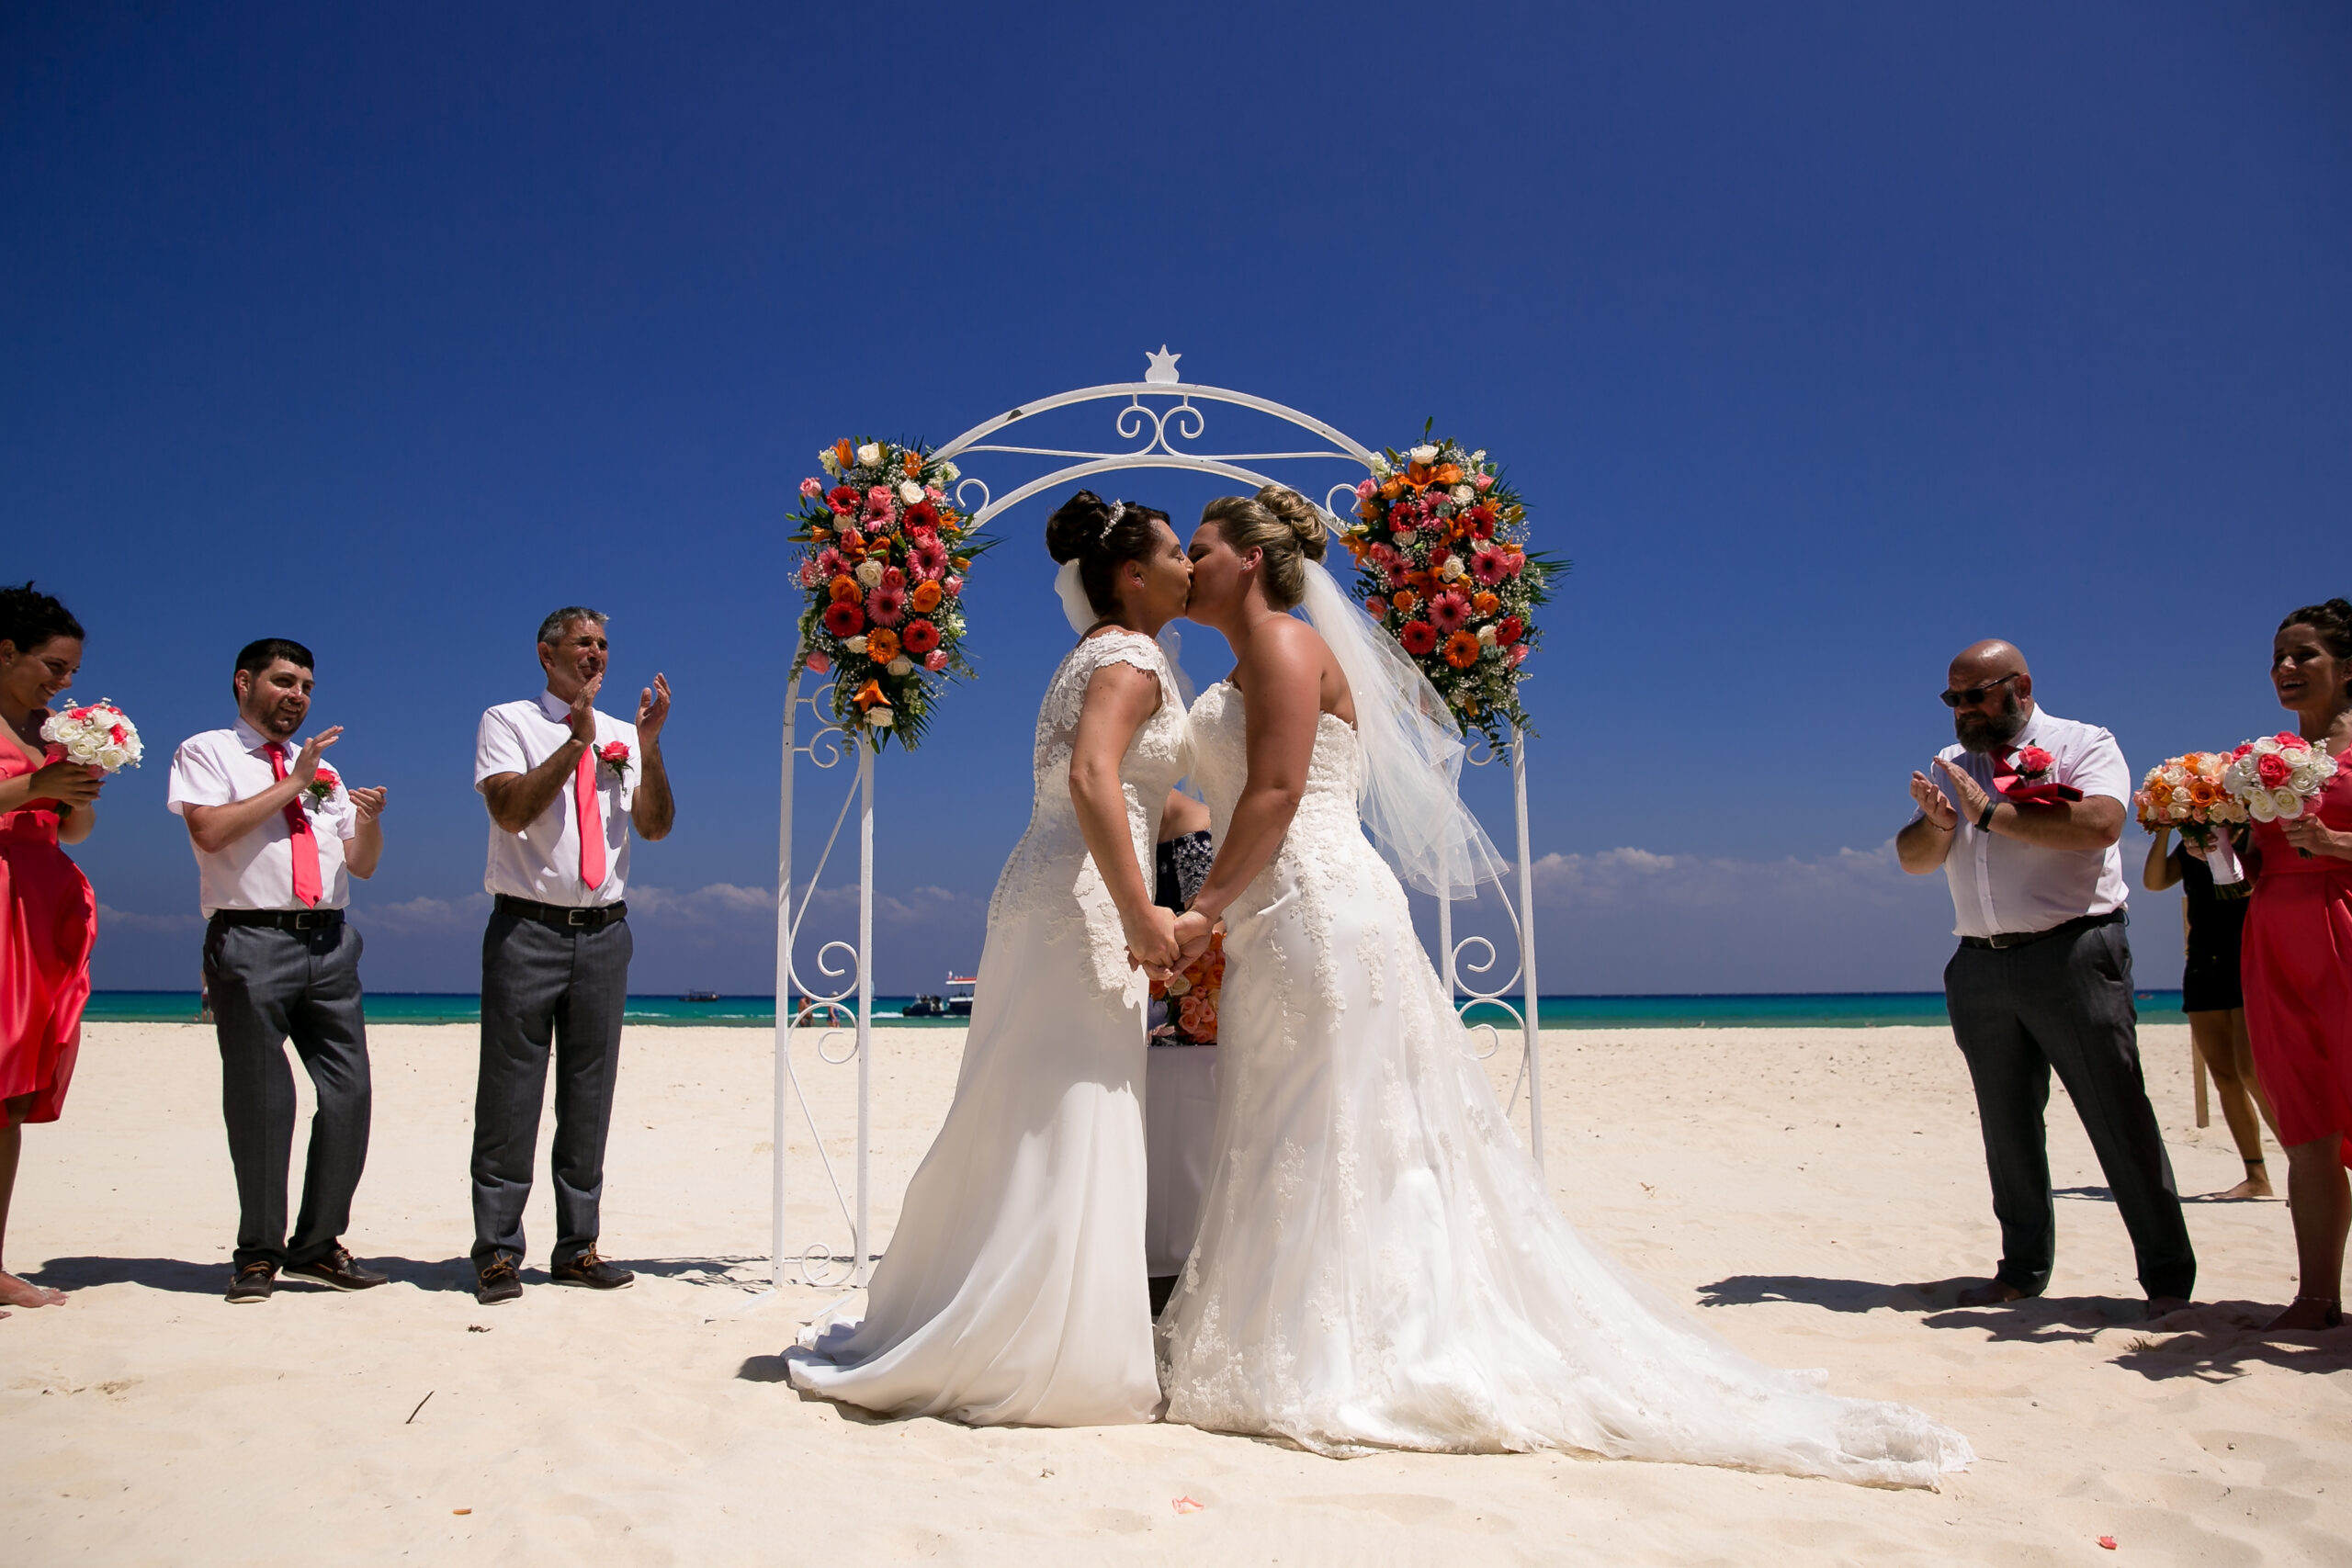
{"points": [[870, 455], [869, 571], [951, 473], [879, 716], [2260, 807], [1453, 570], [1485, 636], [2265, 746], [2289, 803], [1178, 986], [855, 645], [1463, 495], [909, 492], [1423, 454], [900, 666]]}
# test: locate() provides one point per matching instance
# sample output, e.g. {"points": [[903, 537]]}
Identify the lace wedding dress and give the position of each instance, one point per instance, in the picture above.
{"points": [[1013, 1289], [1379, 1265]]}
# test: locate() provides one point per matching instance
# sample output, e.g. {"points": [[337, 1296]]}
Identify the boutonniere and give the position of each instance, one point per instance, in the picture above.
{"points": [[2031, 762], [614, 754], [321, 789], [2025, 780]]}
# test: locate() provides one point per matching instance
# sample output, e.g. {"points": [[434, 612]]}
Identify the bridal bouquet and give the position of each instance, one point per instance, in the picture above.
{"points": [[2185, 793], [1190, 994], [884, 556], [1440, 549], [96, 735], [2276, 777]]}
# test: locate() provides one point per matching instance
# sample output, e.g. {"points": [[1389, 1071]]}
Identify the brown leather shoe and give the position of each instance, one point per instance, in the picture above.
{"points": [[591, 1271], [497, 1281], [254, 1282], [337, 1269]]}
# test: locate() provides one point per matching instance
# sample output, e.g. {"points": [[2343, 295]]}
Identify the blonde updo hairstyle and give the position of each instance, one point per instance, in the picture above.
{"points": [[1280, 521]]}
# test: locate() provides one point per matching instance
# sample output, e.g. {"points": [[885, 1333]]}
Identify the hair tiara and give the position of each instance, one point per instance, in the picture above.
{"points": [[1118, 510]]}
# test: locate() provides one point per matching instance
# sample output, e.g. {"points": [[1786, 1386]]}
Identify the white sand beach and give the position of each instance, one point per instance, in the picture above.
{"points": [[1787, 1184]]}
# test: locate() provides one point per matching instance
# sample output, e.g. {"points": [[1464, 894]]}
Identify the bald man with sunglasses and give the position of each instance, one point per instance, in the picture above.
{"points": [[2022, 814]]}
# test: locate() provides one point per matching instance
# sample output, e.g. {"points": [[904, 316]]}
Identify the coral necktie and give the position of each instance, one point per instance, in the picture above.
{"points": [[592, 821], [303, 843]]}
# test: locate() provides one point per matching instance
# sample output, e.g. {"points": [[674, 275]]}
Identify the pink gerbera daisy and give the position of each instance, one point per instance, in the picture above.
{"points": [[926, 558], [885, 606], [1448, 611], [1491, 566]]}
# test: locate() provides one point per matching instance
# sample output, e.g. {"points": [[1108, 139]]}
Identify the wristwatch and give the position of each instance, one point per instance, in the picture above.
{"points": [[1984, 822]]}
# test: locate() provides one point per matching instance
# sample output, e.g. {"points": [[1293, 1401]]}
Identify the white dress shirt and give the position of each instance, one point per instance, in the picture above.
{"points": [[2004, 884], [222, 767], [542, 862]]}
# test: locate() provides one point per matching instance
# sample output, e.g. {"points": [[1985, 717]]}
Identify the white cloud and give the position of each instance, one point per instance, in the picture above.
{"points": [[137, 921], [422, 914], [1630, 875]]}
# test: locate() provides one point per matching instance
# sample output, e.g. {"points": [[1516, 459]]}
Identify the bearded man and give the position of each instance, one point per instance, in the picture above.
{"points": [[2024, 818]]}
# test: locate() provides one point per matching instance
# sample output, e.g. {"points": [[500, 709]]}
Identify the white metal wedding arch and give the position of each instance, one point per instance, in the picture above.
{"points": [[1161, 417]]}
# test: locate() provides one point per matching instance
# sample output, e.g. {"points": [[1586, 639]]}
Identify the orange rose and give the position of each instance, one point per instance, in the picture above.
{"points": [[1404, 600], [870, 697], [1486, 603], [1392, 488], [925, 598], [1461, 650], [844, 454], [845, 591], [881, 645]]}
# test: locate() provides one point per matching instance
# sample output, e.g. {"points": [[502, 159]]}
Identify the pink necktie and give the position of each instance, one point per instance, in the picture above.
{"points": [[592, 821], [304, 844]]}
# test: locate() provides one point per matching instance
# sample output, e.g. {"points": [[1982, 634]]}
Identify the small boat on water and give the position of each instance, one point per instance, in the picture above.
{"points": [[931, 1004], [699, 997]]}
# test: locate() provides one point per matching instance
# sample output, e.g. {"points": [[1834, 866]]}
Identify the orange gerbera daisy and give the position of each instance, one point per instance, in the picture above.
{"points": [[1461, 650], [882, 644]]}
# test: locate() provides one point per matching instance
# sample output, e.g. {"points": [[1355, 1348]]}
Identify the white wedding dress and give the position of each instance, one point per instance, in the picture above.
{"points": [[1013, 1289], [1379, 1265]]}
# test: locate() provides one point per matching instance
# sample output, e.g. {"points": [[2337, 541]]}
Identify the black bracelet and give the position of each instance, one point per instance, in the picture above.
{"points": [[1984, 823]]}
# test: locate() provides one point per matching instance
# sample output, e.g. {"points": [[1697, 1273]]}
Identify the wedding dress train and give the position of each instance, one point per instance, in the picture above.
{"points": [[1013, 1289], [1379, 1264]]}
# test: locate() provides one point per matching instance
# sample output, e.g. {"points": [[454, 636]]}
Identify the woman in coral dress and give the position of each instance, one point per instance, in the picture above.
{"points": [[48, 917], [2297, 964]]}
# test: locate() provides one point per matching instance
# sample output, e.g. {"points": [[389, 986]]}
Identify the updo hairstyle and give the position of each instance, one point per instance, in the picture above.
{"points": [[2332, 620], [1280, 521], [29, 619], [1076, 532]]}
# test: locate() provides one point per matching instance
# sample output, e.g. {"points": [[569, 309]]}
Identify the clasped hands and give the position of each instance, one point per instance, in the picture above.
{"points": [[1163, 942]]}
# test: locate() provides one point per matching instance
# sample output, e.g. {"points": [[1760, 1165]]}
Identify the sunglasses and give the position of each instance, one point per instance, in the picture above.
{"points": [[1975, 695]]}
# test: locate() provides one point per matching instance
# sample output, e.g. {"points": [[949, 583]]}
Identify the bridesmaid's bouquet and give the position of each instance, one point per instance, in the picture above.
{"points": [[2188, 794], [97, 735], [2276, 777], [1190, 994]]}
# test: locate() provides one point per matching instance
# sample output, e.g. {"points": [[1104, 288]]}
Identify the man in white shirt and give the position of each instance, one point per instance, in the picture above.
{"points": [[564, 784], [277, 838], [2023, 819]]}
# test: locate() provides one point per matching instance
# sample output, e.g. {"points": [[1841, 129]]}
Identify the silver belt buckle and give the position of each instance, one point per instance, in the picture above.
{"points": [[577, 918]]}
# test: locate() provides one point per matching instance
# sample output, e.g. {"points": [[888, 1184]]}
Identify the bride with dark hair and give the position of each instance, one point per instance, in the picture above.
{"points": [[1013, 1289]]}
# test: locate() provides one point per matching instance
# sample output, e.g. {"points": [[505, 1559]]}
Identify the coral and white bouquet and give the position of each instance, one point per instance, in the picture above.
{"points": [[1192, 997], [2276, 777], [96, 735], [884, 565], [2185, 793], [1440, 548]]}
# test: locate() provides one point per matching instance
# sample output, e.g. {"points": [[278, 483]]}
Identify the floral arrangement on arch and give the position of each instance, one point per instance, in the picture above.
{"points": [[1439, 545], [885, 555]]}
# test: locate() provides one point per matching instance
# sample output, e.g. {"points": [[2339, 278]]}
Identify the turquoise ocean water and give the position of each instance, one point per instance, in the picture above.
{"points": [[1828, 1010]]}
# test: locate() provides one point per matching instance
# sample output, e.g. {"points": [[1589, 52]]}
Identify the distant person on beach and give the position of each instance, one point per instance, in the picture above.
{"points": [[2214, 923], [2296, 962], [47, 917], [564, 784], [277, 838], [2023, 816]]}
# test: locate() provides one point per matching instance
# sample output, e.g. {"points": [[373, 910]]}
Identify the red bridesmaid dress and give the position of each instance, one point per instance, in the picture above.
{"points": [[2297, 971], [48, 920]]}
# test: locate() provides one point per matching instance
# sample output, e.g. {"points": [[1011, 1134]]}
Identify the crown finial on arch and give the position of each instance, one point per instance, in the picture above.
{"points": [[1163, 369]]}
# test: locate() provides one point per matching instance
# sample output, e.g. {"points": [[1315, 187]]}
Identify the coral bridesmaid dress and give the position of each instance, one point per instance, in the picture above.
{"points": [[2297, 970], [48, 920]]}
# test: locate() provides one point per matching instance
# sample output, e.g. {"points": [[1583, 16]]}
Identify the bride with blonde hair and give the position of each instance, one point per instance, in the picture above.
{"points": [[1379, 1265]]}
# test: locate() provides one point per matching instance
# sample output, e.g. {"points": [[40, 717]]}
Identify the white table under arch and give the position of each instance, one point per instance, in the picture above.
{"points": [[1161, 419]]}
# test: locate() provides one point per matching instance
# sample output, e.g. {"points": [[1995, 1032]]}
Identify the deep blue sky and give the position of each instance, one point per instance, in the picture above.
{"points": [[1824, 339]]}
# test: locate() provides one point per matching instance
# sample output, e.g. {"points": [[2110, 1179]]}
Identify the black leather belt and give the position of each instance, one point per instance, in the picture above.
{"points": [[283, 920], [2007, 940], [563, 916]]}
